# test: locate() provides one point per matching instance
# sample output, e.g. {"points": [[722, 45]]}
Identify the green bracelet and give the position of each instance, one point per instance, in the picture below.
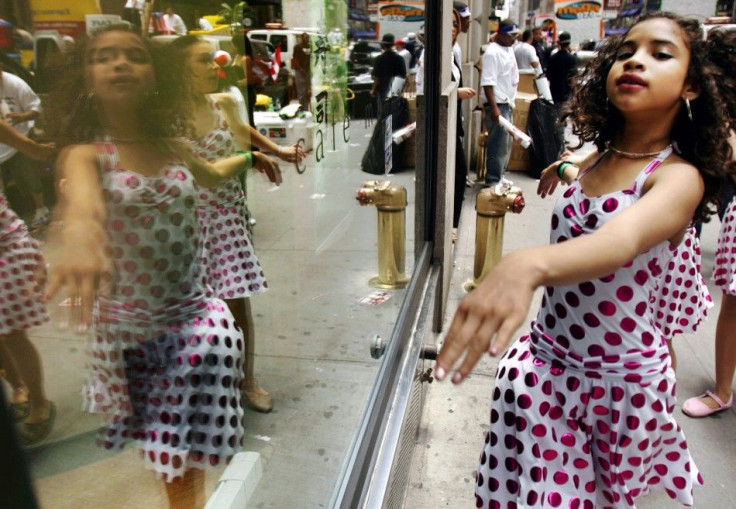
{"points": [[248, 158], [561, 169]]}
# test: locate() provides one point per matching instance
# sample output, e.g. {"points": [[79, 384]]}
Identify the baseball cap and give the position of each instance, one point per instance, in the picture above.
{"points": [[462, 9], [564, 38], [508, 26]]}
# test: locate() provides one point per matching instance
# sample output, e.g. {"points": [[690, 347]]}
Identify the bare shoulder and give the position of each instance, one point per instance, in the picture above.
{"points": [[223, 99], [77, 152], [676, 172]]}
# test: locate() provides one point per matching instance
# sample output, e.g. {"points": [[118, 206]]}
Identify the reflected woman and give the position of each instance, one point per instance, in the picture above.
{"points": [[233, 270], [167, 355]]}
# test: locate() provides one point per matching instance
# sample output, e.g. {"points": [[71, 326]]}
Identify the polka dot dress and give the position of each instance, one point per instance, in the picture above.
{"points": [[581, 415], [233, 270], [681, 299], [22, 274], [167, 356], [724, 274]]}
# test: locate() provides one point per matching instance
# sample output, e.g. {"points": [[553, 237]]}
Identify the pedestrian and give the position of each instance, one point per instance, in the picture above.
{"points": [[403, 53], [722, 51], [167, 357], [499, 79], [23, 273], [21, 107], [561, 71], [526, 57], [173, 23], [582, 406], [232, 267], [388, 66], [301, 64], [463, 93], [540, 46], [133, 12]]}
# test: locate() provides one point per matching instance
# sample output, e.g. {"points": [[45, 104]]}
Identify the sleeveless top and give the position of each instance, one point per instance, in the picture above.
{"points": [[603, 327], [155, 241]]}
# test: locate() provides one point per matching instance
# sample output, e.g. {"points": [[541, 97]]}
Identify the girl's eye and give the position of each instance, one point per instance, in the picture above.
{"points": [[623, 55], [662, 55], [138, 56]]}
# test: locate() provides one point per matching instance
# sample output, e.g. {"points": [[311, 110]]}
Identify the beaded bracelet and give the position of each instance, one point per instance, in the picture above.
{"points": [[561, 169]]}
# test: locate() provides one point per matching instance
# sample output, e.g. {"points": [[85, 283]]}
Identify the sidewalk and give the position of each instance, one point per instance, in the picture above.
{"points": [[456, 418]]}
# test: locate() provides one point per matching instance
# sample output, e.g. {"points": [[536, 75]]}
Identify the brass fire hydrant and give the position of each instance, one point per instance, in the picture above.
{"points": [[390, 200], [491, 206]]}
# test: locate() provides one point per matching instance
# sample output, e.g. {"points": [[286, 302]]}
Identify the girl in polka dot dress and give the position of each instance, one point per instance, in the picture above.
{"points": [[167, 356], [22, 277], [722, 51], [582, 406], [233, 269]]}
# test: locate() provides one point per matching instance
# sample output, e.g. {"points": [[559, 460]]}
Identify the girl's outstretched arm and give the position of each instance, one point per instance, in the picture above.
{"points": [[488, 317], [248, 135], [214, 174], [78, 250]]}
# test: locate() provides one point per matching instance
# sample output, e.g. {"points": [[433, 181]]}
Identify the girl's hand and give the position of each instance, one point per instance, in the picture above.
{"points": [[488, 316], [548, 180], [268, 166], [466, 93], [79, 262], [291, 154]]}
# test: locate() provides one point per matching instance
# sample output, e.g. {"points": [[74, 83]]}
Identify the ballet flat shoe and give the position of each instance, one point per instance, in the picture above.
{"points": [[695, 407]]}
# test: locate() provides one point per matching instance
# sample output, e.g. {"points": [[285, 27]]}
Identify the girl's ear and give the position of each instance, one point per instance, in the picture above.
{"points": [[690, 91]]}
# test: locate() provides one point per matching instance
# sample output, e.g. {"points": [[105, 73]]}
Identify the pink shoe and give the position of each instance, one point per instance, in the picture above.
{"points": [[694, 407]]}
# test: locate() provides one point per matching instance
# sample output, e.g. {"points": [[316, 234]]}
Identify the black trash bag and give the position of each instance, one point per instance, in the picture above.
{"points": [[542, 128], [373, 160]]}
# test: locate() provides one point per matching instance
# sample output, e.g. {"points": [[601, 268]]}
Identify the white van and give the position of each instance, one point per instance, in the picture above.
{"points": [[287, 38]]}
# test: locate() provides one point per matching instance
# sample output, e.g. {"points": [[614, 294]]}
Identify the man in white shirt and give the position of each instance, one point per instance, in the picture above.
{"points": [[526, 56], [20, 107], [499, 79], [173, 22]]}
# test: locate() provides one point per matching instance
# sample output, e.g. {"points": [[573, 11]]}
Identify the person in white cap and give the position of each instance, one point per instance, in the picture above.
{"points": [[499, 79]]}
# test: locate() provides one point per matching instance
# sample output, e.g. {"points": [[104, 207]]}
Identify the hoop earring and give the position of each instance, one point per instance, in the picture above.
{"points": [[86, 101], [689, 111]]}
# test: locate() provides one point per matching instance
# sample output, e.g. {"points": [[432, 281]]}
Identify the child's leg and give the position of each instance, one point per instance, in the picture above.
{"points": [[257, 395], [28, 363], [673, 354], [725, 350], [7, 362], [187, 493]]}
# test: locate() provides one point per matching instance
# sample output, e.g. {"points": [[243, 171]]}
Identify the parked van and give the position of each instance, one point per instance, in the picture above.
{"points": [[287, 38]]}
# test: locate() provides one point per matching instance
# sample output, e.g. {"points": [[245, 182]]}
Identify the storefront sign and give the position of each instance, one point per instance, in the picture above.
{"points": [[579, 10], [64, 16]]}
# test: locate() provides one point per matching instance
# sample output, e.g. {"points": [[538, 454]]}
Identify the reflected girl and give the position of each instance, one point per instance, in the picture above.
{"points": [[233, 270], [167, 356]]}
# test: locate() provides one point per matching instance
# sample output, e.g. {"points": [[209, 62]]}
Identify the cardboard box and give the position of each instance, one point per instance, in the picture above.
{"points": [[526, 84], [285, 132], [519, 159]]}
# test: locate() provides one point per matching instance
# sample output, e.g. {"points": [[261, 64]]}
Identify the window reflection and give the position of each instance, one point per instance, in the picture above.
{"points": [[163, 240]]}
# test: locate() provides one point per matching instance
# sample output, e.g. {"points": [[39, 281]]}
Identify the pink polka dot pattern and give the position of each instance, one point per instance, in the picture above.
{"points": [[724, 273], [166, 362], [581, 414], [233, 270], [681, 299], [22, 274]]}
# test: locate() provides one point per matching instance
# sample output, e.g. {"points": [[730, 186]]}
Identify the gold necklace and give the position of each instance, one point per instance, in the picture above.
{"points": [[635, 155]]}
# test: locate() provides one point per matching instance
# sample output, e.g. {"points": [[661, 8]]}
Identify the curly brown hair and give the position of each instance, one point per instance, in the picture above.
{"points": [[702, 142], [70, 115], [722, 52]]}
